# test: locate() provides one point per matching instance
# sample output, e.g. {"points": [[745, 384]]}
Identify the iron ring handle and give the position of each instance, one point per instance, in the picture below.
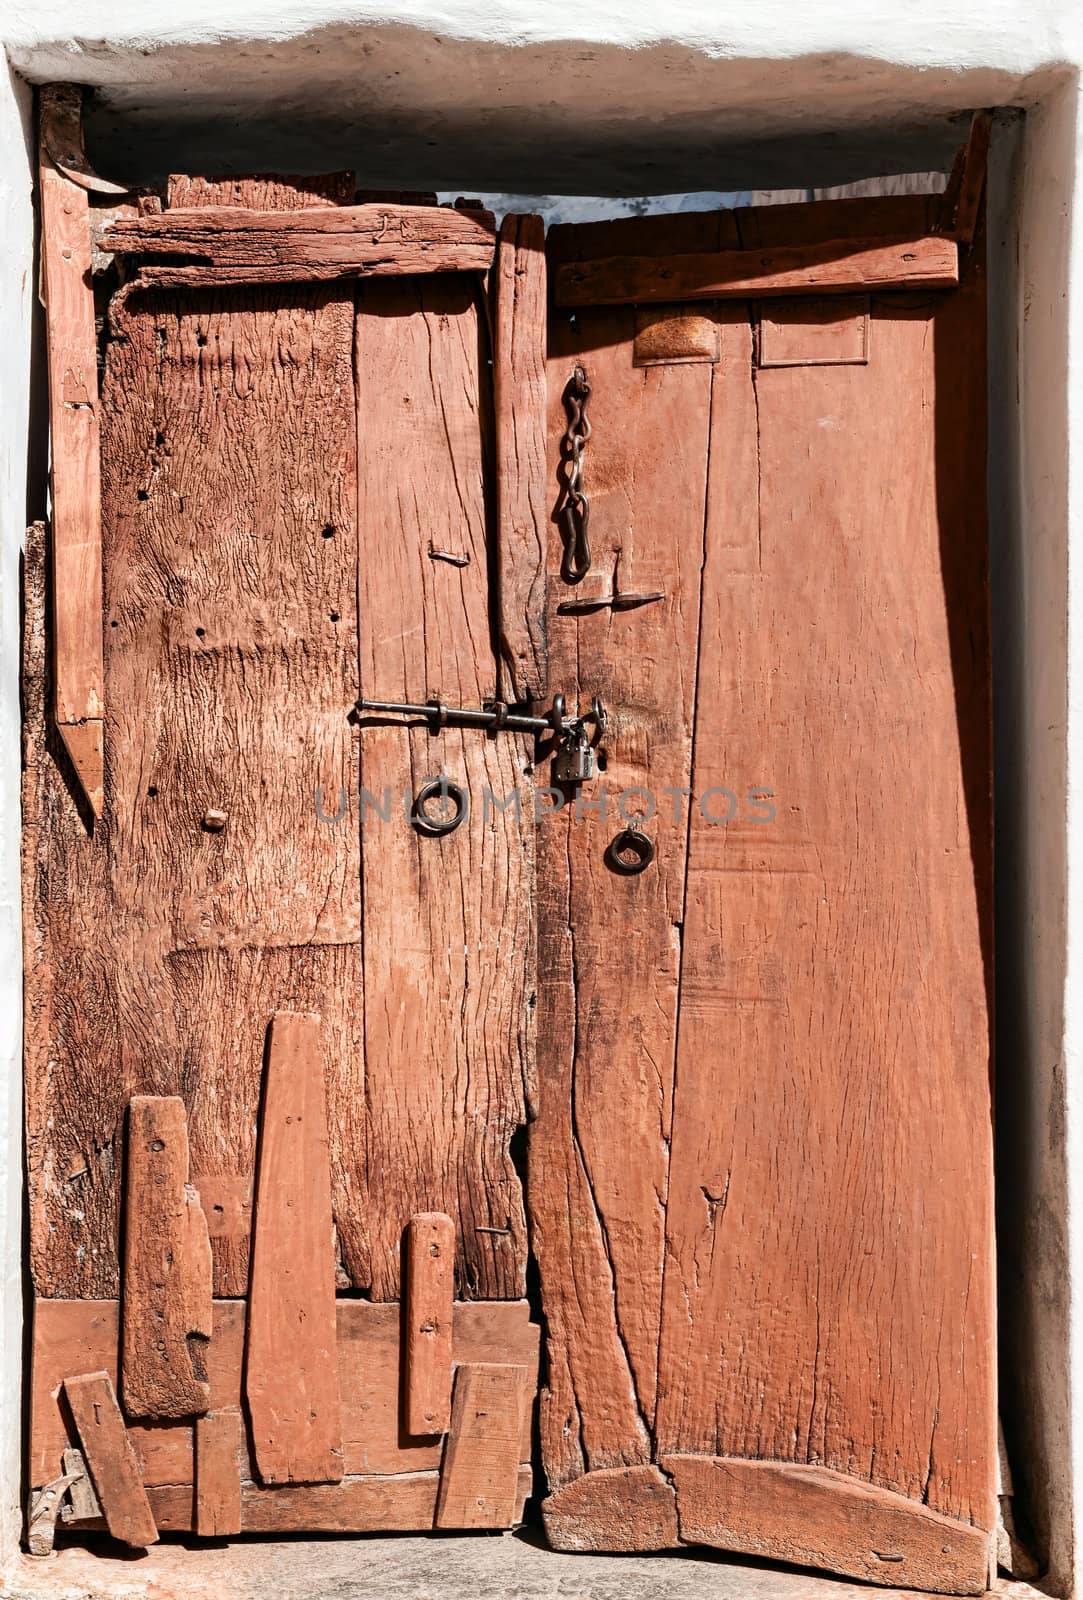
{"points": [[630, 842], [432, 827]]}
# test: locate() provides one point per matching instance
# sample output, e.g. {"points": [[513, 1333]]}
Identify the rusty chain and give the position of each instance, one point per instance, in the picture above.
{"points": [[575, 511]]}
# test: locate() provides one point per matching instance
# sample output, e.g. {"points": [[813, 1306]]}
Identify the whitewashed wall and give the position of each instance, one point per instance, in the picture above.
{"points": [[627, 98]]}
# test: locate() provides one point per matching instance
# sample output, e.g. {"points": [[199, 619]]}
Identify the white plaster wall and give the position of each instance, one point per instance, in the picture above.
{"points": [[630, 97], [16, 273]]}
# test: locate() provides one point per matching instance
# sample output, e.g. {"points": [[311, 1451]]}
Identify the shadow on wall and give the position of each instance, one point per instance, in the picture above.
{"points": [[1031, 177]]}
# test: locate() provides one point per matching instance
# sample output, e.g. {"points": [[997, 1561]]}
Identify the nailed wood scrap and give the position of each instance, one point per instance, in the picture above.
{"points": [[108, 1453], [480, 1472], [428, 1311], [167, 1267], [291, 1369]]}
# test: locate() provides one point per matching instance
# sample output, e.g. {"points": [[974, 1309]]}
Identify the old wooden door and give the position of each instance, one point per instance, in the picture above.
{"points": [[761, 1171], [310, 1082]]}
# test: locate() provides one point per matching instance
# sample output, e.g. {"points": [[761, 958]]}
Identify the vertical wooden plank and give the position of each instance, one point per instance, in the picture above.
{"points": [[609, 946], [480, 1469], [291, 1371], [218, 1474], [108, 1453], [167, 1268], [79, 691], [449, 953], [831, 1154], [429, 1299], [521, 478]]}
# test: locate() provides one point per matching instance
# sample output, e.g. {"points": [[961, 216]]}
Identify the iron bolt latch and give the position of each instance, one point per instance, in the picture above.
{"points": [[576, 736]]}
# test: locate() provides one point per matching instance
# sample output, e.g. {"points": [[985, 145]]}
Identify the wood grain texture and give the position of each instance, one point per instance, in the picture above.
{"points": [[293, 1399], [229, 244], [831, 1153], [449, 944], [167, 1267], [618, 1508], [427, 1320], [374, 1442], [229, 439], [521, 477], [609, 946], [480, 1472], [72, 359], [108, 1454], [218, 1439], [817, 1518], [836, 267], [264, 191]]}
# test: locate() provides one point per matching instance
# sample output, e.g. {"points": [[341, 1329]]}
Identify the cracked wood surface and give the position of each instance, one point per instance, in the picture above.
{"points": [[829, 1283], [449, 954], [609, 946], [831, 1111], [229, 442]]}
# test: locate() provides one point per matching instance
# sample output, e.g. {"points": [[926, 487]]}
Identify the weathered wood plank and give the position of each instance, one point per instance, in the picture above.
{"points": [[293, 1400], [835, 955], [961, 201], [619, 1508], [836, 267], [813, 1517], [72, 358], [230, 244], [262, 191], [609, 946], [218, 1438], [521, 477], [108, 1453], [358, 1505], [428, 1314], [449, 954], [369, 1355], [480, 1471], [167, 1267]]}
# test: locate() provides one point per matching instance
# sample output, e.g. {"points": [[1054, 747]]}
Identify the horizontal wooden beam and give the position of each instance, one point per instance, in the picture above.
{"points": [[842, 266], [230, 244]]}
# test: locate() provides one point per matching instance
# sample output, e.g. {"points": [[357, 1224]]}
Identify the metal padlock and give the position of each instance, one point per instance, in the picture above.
{"points": [[574, 758]]}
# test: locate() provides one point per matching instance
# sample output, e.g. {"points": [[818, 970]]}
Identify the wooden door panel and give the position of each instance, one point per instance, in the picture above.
{"points": [[830, 1204], [828, 1210], [448, 921]]}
